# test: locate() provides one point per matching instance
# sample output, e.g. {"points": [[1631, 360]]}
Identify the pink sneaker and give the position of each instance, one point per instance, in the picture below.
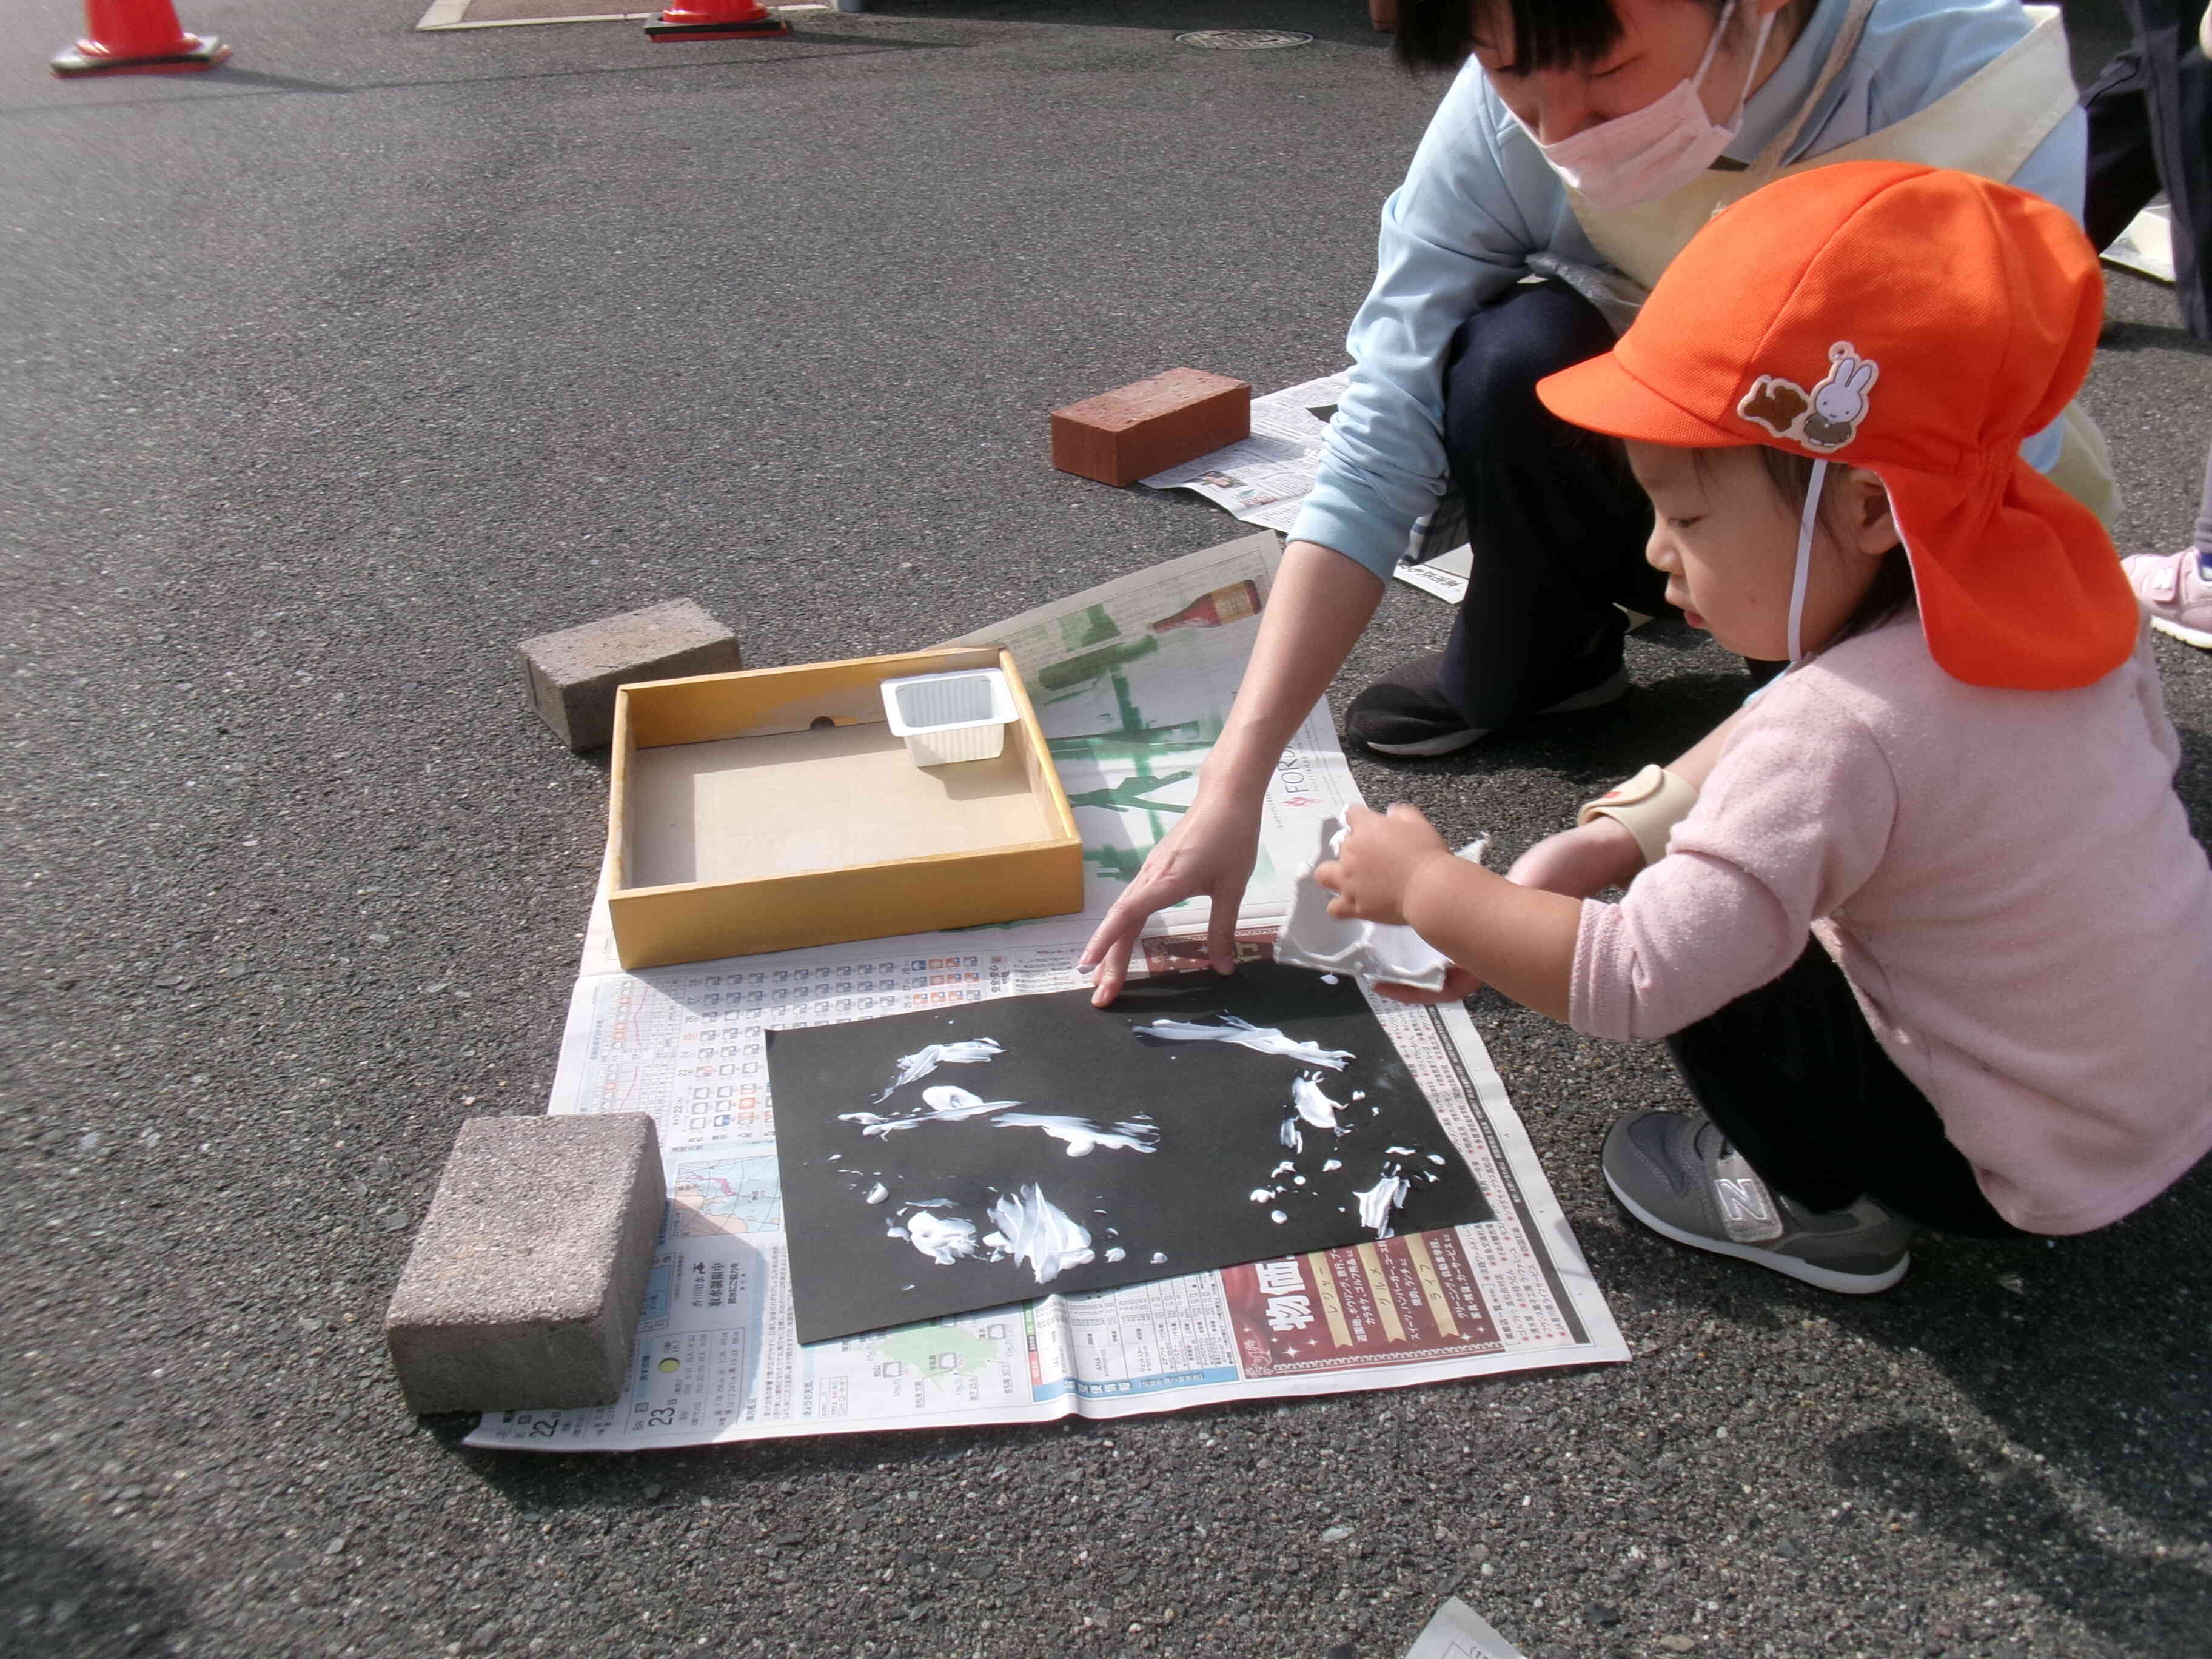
{"points": [[2173, 588]]}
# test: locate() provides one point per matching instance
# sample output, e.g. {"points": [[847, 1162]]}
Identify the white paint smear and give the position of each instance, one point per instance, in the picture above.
{"points": [[1261, 1039], [1378, 1201], [879, 1193], [1082, 1135], [944, 1240], [1334, 1163], [1290, 1136], [1116, 1254], [1262, 1194], [1038, 1232], [1159, 1258], [915, 1066], [1313, 1105], [945, 1103], [1277, 1217]]}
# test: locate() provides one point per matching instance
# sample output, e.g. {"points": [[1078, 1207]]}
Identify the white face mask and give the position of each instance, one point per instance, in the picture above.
{"points": [[1653, 151]]}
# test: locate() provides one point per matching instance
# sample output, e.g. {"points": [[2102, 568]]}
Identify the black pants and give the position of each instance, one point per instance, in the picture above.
{"points": [[1556, 524], [2150, 127], [1796, 1079]]}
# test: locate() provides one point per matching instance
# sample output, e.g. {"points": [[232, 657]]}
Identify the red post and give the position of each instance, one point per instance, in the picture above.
{"points": [[714, 19], [137, 37]]}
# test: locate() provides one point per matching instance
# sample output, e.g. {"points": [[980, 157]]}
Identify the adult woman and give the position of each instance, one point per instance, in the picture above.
{"points": [[1583, 144]]}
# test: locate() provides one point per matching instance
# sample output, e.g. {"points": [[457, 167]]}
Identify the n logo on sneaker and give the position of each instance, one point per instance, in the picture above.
{"points": [[1741, 1200], [1747, 1209]]}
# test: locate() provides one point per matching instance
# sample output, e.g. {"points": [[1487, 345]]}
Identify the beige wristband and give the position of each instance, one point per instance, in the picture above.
{"points": [[1648, 806]]}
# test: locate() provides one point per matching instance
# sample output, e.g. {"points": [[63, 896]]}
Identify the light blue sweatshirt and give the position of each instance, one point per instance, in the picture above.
{"points": [[1480, 200]]}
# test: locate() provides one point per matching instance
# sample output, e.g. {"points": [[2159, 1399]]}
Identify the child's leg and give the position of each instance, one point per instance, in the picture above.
{"points": [[2176, 588], [2203, 542], [1793, 1077]]}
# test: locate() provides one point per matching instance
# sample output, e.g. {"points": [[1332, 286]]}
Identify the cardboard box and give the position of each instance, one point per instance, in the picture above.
{"points": [[775, 809]]}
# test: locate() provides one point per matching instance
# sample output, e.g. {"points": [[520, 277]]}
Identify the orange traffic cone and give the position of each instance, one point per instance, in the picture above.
{"points": [[716, 20], [137, 37]]}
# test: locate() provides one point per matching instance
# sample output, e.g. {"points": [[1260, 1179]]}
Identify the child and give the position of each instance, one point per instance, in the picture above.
{"points": [[1960, 791]]}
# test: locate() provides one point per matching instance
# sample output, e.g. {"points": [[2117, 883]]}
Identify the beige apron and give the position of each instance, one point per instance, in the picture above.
{"points": [[1990, 124]]}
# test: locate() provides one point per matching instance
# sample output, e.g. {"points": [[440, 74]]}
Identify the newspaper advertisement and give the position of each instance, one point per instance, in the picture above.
{"points": [[1133, 681]]}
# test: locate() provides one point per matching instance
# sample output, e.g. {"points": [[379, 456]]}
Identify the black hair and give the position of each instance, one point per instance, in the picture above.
{"points": [[1547, 34], [1432, 34]]}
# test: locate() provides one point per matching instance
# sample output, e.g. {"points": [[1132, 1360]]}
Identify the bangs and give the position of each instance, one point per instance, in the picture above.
{"points": [[1547, 35]]}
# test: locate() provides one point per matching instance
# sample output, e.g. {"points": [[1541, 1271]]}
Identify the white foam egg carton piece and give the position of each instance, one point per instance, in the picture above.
{"points": [[1371, 952]]}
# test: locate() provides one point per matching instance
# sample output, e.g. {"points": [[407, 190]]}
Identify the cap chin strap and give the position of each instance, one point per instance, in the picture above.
{"points": [[1799, 578]]}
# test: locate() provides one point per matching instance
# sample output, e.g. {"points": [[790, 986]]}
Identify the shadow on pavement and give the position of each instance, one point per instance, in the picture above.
{"points": [[2153, 1609], [59, 1598], [2118, 336]]}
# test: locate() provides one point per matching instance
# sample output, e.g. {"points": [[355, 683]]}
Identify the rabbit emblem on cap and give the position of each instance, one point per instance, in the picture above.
{"points": [[1825, 418]]}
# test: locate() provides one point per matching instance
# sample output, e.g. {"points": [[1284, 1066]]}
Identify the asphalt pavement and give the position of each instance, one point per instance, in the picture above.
{"points": [[332, 374]]}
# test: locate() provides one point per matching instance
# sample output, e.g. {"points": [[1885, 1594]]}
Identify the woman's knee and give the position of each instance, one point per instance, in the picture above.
{"points": [[1533, 329]]}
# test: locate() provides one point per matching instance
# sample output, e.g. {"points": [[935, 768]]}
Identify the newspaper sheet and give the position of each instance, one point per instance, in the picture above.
{"points": [[1444, 578], [2145, 246], [1133, 681], [1263, 479], [1458, 1631]]}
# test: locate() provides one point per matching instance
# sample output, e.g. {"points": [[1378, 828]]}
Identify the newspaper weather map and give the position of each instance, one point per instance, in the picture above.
{"points": [[737, 1194]]}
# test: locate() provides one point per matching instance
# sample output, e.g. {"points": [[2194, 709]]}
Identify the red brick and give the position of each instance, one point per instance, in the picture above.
{"points": [[1120, 436]]}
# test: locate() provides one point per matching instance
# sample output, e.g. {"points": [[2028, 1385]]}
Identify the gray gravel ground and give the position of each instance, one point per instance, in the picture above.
{"points": [[333, 374]]}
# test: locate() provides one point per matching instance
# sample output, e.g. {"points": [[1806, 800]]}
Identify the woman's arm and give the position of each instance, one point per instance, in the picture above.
{"points": [[1320, 603], [1454, 236]]}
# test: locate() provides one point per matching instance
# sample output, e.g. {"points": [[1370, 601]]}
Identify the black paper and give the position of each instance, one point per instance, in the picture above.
{"points": [[1217, 1109]]}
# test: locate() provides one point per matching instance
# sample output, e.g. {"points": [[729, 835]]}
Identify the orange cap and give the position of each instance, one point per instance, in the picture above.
{"points": [[1918, 323]]}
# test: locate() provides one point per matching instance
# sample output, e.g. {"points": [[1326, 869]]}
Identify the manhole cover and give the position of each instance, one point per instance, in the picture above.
{"points": [[1242, 39]]}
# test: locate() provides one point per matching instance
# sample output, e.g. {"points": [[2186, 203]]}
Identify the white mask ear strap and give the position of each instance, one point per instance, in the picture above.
{"points": [[1757, 52], [1720, 29], [1804, 570]]}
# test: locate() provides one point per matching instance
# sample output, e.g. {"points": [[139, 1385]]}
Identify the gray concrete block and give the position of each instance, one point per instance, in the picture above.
{"points": [[572, 674], [524, 1284]]}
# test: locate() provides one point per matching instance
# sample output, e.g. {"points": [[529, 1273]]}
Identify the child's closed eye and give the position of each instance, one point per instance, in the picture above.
{"points": [[1684, 524]]}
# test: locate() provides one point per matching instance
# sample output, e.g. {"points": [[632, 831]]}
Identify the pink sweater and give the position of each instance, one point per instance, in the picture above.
{"points": [[2008, 882]]}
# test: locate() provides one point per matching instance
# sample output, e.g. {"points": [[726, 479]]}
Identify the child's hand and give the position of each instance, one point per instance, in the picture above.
{"points": [[1376, 864], [1459, 985]]}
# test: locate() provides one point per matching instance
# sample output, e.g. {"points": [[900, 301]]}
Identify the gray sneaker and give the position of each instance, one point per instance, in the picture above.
{"points": [[1676, 1173]]}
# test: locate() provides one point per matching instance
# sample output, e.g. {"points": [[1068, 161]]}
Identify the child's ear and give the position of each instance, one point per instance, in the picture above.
{"points": [[1868, 526]]}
